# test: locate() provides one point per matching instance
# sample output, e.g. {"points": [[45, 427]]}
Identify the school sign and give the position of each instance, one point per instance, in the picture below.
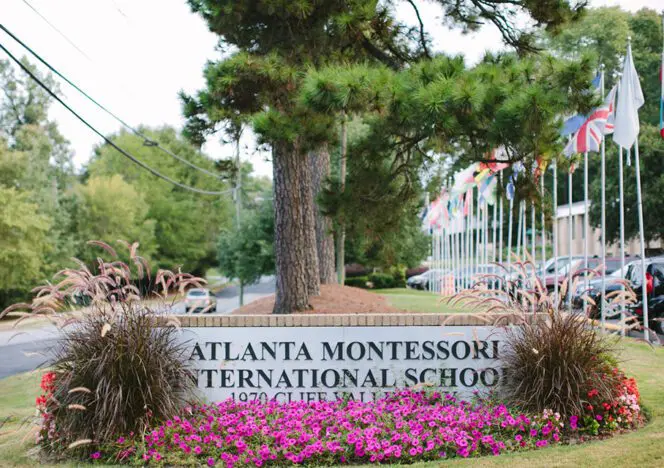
{"points": [[361, 357]]}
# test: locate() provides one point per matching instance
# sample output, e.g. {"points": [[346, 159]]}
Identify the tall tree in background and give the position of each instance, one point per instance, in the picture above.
{"points": [[187, 225], [36, 167], [275, 42]]}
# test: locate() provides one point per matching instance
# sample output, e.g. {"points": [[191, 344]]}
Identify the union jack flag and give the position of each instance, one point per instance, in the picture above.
{"points": [[599, 123]]}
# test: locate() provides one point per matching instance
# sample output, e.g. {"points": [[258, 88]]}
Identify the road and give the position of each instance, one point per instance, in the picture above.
{"points": [[29, 350]]}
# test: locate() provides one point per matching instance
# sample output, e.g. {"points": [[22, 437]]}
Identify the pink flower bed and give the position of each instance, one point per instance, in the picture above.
{"points": [[405, 427]]}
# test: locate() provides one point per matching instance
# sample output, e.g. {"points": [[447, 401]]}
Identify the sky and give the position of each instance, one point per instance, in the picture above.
{"points": [[134, 56]]}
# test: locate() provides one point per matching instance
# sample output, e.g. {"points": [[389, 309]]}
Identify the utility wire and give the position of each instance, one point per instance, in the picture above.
{"points": [[107, 140], [57, 30], [146, 140]]}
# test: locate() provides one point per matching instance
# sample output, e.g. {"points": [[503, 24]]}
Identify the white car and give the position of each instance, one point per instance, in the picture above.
{"points": [[199, 300]]}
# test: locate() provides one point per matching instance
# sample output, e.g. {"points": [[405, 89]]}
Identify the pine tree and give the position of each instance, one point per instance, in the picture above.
{"points": [[274, 43]]}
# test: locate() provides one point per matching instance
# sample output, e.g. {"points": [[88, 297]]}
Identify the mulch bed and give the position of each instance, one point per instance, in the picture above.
{"points": [[334, 299]]}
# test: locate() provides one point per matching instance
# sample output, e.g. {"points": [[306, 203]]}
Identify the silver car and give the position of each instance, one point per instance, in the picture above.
{"points": [[199, 300]]}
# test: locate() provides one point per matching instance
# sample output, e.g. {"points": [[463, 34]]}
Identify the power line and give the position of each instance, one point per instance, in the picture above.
{"points": [[107, 140], [146, 140], [57, 30]]}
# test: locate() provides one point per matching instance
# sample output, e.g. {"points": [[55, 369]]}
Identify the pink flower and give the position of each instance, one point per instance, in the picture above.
{"points": [[95, 455], [210, 461]]}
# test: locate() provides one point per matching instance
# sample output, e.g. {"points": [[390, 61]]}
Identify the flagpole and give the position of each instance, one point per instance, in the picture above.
{"points": [[509, 232], [555, 230], [439, 257], [603, 221], [450, 247], [569, 240], [585, 227], [500, 222], [542, 221], [477, 247], [622, 235], [468, 230], [646, 323], [532, 233], [494, 225], [524, 242], [518, 233], [486, 236]]}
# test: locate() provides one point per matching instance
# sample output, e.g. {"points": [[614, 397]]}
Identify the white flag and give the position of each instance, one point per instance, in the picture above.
{"points": [[629, 100]]}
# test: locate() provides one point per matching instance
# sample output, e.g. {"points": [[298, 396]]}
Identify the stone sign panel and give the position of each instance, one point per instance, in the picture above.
{"points": [[330, 362]]}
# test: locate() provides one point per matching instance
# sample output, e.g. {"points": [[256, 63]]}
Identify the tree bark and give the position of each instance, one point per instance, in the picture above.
{"points": [[320, 168], [309, 227], [341, 235], [290, 239]]}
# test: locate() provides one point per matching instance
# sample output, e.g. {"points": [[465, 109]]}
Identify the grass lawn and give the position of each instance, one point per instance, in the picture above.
{"points": [[414, 300], [642, 448]]}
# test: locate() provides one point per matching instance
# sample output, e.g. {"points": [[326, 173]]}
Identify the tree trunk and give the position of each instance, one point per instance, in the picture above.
{"points": [[320, 167], [309, 227], [340, 237], [290, 241]]}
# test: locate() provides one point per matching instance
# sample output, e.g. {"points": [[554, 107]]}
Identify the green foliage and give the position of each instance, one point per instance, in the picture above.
{"points": [[186, 225], [23, 241], [357, 282], [110, 209], [377, 281], [382, 280], [36, 174], [247, 253]]}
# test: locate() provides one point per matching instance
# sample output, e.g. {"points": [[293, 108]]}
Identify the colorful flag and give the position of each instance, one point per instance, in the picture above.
{"points": [[630, 100], [466, 204], [572, 124], [487, 189], [589, 136]]}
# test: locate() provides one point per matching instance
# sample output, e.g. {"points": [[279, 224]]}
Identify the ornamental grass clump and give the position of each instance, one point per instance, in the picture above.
{"points": [[116, 375], [118, 364], [554, 364]]}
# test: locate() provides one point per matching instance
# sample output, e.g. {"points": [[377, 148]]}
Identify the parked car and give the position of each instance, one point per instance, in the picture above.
{"points": [[612, 264], [654, 291], [593, 290], [423, 280], [199, 300]]}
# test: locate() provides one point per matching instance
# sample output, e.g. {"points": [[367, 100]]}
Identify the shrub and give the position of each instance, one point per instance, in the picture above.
{"points": [[399, 275], [113, 370], [136, 373], [554, 364], [551, 361], [382, 280], [357, 282]]}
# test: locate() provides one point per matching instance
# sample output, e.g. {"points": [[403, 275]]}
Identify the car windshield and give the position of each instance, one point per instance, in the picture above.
{"points": [[197, 293]]}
